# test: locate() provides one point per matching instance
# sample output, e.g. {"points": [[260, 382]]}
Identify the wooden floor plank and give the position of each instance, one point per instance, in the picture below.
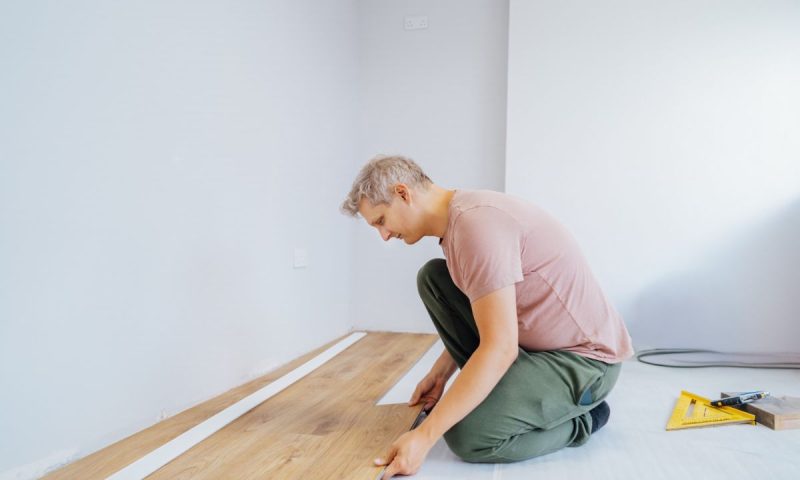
{"points": [[358, 446], [326, 404], [326, 425], [110, 459]]}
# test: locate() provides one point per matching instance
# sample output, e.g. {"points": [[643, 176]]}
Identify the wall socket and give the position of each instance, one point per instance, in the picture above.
{"points": [[416, 23], [300, 259]]}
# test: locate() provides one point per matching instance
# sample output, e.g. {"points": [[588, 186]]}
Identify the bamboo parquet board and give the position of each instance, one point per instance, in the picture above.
{"points": [[326, 425]]}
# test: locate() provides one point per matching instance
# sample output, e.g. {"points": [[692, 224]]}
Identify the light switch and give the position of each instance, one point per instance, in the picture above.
{"points": [[300, 258]]}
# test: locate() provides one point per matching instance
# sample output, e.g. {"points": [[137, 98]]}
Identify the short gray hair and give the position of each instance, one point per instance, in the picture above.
{"points": [[377, 178]]}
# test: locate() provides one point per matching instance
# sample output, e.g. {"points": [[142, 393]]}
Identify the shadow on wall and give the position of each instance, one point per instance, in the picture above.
{"points": [[743, 296]]}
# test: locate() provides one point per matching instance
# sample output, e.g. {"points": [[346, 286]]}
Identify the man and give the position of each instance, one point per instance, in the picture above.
{"points": [[518, 310]]}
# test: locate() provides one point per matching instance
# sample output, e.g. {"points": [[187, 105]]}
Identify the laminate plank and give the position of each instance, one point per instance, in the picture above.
{"points": [[329, 403], [325, 422], [108, 460], [369, 438]]}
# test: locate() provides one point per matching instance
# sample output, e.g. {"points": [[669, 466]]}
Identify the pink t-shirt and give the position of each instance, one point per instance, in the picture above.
{"points": [[494, 240]]}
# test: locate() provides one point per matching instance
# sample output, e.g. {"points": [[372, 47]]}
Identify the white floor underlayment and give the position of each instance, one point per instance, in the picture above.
{"points": [[635, 444]]}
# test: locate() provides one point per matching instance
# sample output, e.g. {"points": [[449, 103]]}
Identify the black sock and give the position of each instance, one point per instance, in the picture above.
{"points": [[600, 416]]}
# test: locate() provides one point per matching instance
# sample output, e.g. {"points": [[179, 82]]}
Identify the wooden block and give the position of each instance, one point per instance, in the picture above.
{"points": [[775, 412]]}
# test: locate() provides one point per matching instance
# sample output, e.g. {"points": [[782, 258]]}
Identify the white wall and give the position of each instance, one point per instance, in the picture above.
{"points": [[666, 136], [158, 163], [439, 96]]}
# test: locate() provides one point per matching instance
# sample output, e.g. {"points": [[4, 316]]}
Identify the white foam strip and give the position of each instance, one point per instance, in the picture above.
{"points": [[402, 390], [180, 444]]}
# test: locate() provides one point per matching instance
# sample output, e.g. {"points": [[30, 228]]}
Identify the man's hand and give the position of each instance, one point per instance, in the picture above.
{"points": [[429, 390], [406, 454]]}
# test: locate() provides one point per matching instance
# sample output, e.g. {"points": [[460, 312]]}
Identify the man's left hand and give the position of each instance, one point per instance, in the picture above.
{"points": [[406, 454]]}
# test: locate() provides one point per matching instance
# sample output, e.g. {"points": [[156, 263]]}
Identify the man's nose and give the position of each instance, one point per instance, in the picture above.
{"points": [[385, 235]]}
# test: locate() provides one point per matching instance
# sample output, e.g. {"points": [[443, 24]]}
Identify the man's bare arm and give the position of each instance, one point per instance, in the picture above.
{"points": [[496, 318]]}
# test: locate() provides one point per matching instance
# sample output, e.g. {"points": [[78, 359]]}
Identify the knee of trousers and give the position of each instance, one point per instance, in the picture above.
{"points": [[470, 443], [483, 445], [428, 274]]}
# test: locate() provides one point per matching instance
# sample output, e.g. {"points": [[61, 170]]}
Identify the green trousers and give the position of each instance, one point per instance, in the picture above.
{"points": [[539, 406]]}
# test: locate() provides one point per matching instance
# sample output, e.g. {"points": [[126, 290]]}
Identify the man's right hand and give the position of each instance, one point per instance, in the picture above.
{"points": [[429, 390]]}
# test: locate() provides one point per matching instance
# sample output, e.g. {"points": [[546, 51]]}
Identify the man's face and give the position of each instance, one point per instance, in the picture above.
{"points": [[394, 220]]}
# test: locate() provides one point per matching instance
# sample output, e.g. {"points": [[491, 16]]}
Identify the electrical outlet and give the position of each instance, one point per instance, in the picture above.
{"points": [[300, 258], [416, 23]]}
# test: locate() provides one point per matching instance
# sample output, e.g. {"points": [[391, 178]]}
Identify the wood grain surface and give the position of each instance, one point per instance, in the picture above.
{"points": [[775, 412], [324, 426]]}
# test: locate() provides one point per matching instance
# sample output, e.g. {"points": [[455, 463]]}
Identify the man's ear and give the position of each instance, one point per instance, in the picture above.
{"points": [[401, 189]]}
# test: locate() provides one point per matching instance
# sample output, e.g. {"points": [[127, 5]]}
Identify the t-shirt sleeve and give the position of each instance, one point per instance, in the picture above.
{"points": [[486, 247]]}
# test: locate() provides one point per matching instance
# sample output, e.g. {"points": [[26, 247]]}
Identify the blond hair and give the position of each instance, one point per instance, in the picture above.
{"points": [[378, 177]]}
